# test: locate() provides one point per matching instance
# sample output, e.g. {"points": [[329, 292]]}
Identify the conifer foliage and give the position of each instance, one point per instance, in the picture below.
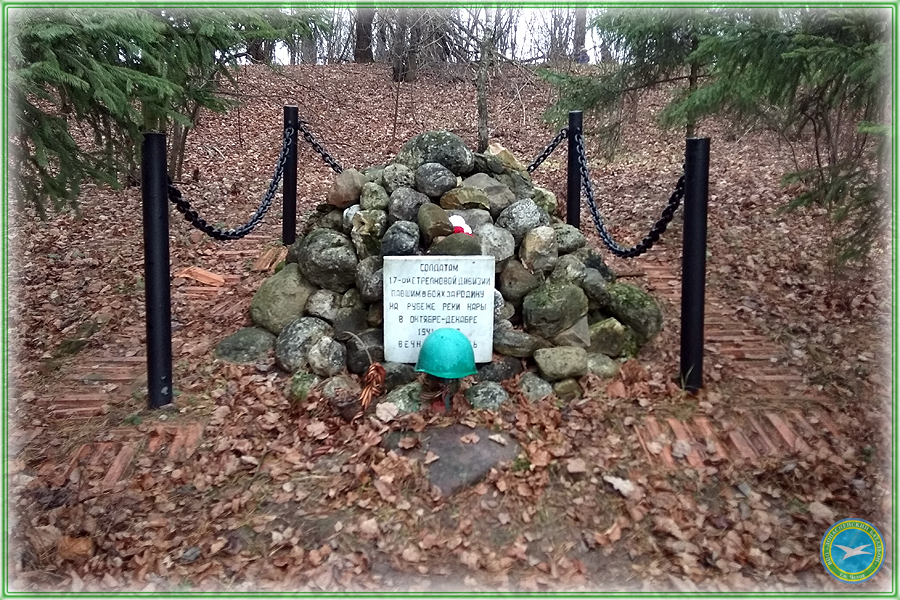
{"points": [[816, 77], [113, 74]]}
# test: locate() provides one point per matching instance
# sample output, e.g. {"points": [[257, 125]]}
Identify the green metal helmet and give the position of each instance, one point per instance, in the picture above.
{"points": [[446, 353]]}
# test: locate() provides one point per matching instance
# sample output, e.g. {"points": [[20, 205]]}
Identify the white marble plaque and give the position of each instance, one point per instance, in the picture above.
{"points": [[424, 293]]}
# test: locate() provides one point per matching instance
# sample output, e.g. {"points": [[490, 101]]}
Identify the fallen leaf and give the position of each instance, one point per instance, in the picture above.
{"points": [[430, 457], [470, 559], [667, 525], [216, 546], [386, 411], [654, 447], [408, 442], [369, 528], [540, 458], [499, 439], [503, 518], [616, 389], [623, 486], [821, 513], [470, 438], [411, 554], [576, 465], [75, 548], [44, 538], [250, 460], [614, 533], [317, 429], [681, 448]]}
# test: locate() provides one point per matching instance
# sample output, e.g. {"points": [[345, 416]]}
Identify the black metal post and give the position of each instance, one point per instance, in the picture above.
{"points": [[693, 264], [289, 181], [154, 197], [573, 176]]}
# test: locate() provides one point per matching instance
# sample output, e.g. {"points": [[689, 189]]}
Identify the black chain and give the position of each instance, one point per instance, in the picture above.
{"points": [[318, 148], [563, 133], [184, 207], [658, 228]]}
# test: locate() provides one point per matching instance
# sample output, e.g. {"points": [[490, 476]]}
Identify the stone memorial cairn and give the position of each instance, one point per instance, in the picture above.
{"points": [[555, 302]]}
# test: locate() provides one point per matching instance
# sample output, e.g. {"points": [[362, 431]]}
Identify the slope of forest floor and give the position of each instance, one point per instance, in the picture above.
{"points": [[296, 498]]}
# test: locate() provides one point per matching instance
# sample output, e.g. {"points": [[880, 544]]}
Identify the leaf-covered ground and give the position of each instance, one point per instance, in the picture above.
{"points": [[279, 496]]}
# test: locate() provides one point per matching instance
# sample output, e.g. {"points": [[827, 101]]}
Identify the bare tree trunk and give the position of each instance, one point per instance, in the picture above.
{"points": [[362, 50], [481, 88], [179, 143], [412, 51], [256, 50], [399, 48], [481, 82], [308, 50], [692, 84], [579, 33]]}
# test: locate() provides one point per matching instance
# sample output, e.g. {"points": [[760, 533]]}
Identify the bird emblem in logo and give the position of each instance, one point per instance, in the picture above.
{"points": [[852, 550]]}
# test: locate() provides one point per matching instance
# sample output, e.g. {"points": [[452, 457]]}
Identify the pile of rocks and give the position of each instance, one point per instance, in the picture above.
{"points": [[556, 302]]}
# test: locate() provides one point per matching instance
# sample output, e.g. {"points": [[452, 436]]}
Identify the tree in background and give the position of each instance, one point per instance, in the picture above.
{"points": [[815, 77], [820, 80], [114, 74], [362, 49], [655, 47]]}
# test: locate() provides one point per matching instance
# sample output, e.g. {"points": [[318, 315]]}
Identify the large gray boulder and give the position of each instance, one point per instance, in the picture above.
{"points": [[441, 147], [568, 269], [487, 395], [562, 362], [498, 194], [396, 176], [433, 222], [434, 179], [369, 344], [465, 198], [374, 197], [533, 387], [366, 231], [405, 203], [407, 398], [513, 342], [327, 258], [370, 279], [516, 282], [496, 242], [609, 337], [324, 304], [568, 238], [248, 345], [327, 357], [295, 340], [280, 299], [634, 308], [521, 217], [400, 239], [552, 308], [539, 251], [457, 244]]}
